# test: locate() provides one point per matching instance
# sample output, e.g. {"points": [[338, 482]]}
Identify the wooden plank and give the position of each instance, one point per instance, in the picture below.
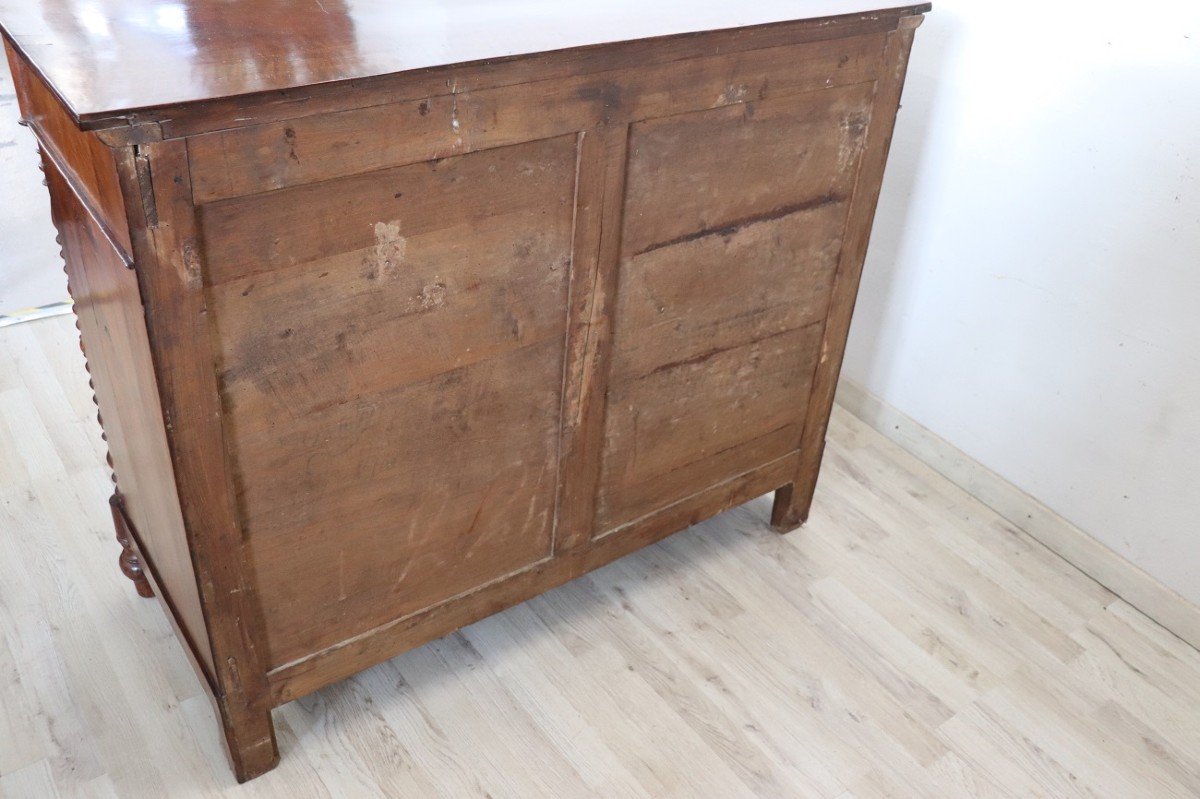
{"points": [[711, 172], [322, 98], [692, 423], [452, 121], [716, 292], [598, 246], [251, 235]]}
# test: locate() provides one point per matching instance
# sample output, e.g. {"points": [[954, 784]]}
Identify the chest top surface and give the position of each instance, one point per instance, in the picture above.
{"points": [[106, 57]]}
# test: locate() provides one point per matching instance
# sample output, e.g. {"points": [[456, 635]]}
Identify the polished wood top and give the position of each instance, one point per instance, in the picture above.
{"points": [[107, 57]]}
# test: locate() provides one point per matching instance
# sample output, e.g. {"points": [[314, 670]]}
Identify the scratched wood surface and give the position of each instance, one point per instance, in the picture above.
{"points": [[426, 349], [733, 229], [908, 642]]}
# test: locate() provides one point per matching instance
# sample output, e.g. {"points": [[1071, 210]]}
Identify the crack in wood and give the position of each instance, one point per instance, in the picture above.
{"points": [[733, 227]]}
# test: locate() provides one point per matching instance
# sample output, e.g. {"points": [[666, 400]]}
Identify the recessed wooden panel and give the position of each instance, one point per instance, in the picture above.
{"points": [[696, 174], [391, 354], [691, 424], [770, 276], [407, 272], [734, 220]]}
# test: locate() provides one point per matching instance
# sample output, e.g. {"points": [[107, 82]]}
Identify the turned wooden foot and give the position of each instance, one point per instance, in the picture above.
{"points": [[790, 509], [131, 564]]}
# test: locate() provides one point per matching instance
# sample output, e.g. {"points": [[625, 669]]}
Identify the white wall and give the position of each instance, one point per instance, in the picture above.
{"points": [[1032, 292]]}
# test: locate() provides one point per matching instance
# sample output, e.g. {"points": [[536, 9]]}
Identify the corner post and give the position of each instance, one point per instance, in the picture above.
{"points": [[156, 188], [794, 500]]}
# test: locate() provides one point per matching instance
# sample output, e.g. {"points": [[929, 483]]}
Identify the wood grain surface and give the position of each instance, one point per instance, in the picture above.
{"points": [[394, 435], [733, 227]]}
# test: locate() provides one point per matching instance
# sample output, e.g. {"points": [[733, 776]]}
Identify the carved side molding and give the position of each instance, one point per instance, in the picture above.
{"points": [[129, 561]]}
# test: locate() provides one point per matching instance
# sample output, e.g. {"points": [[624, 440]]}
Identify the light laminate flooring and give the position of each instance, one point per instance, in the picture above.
{"points": [[908, 642]]}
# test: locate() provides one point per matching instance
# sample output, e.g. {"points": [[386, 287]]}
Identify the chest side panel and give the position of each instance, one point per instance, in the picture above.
{"points": [[391, 351], [88, 211], [112, 329]]}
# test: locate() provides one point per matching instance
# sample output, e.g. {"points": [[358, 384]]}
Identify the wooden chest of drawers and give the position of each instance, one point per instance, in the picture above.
{"points": [[384, 342]]}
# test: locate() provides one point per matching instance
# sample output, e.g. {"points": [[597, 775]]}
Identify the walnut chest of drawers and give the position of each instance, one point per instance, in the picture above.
{"points": [[397, 318]]}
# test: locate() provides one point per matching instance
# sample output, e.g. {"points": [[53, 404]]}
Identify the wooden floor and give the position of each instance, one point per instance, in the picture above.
{"points": [[906, 643]]}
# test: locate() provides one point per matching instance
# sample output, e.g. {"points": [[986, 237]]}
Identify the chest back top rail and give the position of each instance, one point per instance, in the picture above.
{"points": [[397, 318]]}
